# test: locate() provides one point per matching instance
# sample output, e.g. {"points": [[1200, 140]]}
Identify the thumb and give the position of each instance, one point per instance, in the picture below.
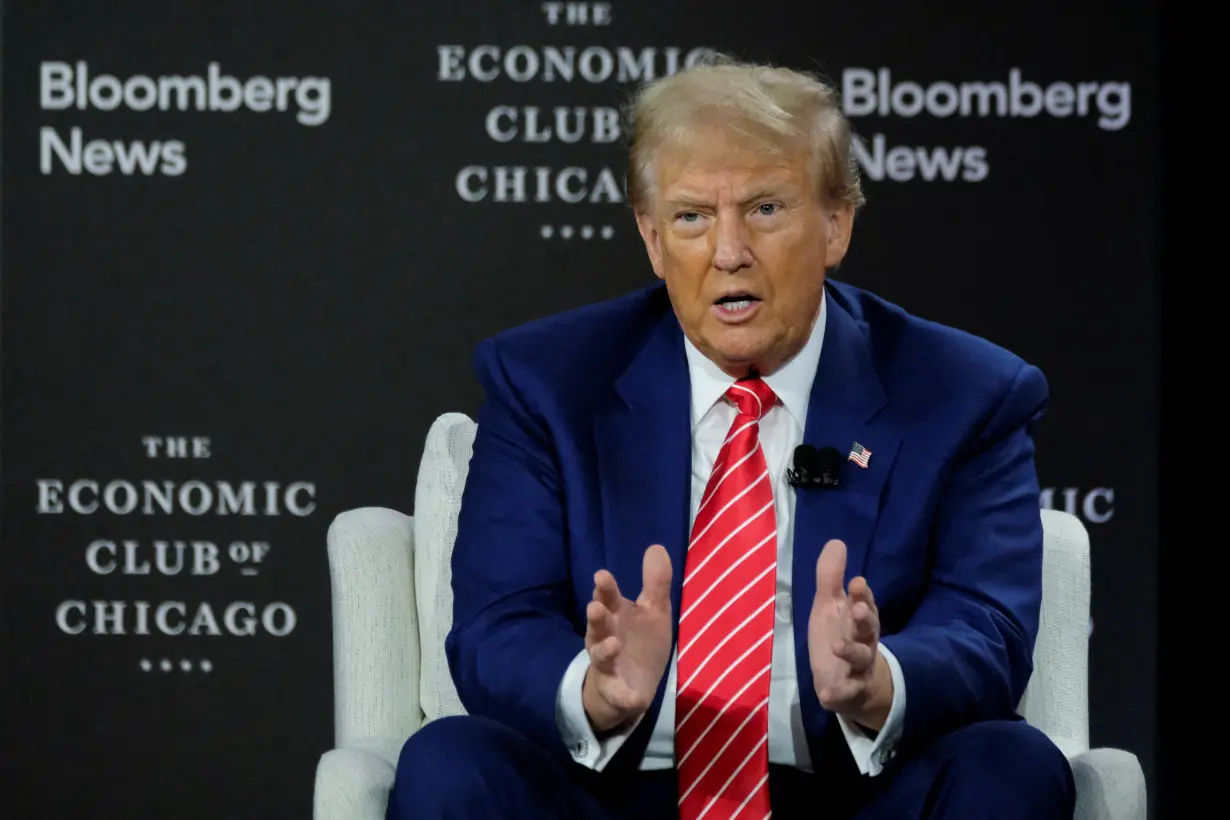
{"points": [[831, 570], [656, 577]]}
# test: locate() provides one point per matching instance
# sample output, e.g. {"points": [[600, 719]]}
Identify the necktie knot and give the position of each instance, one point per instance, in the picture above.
{"points": [[752, 396]]}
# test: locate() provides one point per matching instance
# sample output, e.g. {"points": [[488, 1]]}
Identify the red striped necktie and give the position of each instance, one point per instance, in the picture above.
{"points": [[726, 628]]}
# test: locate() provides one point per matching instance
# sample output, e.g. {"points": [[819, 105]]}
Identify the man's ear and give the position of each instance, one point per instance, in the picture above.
{"points": [[648, 227], [840, 225]]}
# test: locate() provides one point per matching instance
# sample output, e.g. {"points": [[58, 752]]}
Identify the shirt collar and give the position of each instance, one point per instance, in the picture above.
{"points": [[792, 382]]}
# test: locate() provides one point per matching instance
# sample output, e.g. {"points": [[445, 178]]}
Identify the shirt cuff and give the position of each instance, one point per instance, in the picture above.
{"points": [[584, 746], [872, 753]]}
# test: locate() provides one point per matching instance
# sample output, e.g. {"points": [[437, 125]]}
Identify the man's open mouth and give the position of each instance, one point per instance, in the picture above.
{"points": [[735, 302]]}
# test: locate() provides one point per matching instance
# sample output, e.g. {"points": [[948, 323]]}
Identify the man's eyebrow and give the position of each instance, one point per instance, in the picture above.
{"points": [[685, 199], [689, 201], [763, 193]]}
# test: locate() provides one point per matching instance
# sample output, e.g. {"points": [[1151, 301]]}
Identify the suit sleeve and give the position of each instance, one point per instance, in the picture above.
{"points": [[967, 653], [513, 636]]}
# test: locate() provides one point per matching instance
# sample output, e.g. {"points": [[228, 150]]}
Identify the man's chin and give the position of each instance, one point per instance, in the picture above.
{"points": [[735, 349], [735, 356]]}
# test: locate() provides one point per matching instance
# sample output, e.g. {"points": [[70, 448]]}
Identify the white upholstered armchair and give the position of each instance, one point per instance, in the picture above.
{"points": [[392, 605]]}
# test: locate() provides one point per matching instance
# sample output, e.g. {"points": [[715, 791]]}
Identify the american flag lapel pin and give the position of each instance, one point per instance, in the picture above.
{"points": [[860, 455]]}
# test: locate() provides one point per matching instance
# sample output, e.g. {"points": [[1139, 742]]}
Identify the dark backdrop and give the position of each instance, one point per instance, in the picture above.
{"points": [[289, 297]]}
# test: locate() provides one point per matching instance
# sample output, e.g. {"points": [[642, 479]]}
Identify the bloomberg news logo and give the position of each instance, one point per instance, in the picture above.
{"points": [[74, 87], [870, 92]]}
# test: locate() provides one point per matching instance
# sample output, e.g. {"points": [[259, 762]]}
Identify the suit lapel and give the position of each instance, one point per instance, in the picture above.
{"points": [[644, 449], [845, 401]]}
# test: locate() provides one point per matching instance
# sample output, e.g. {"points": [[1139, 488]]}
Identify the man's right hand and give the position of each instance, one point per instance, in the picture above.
{"points": [[629, 644]]}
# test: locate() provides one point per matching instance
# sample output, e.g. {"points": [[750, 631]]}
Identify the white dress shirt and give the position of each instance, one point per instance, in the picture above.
{"points": [[781, 430]]}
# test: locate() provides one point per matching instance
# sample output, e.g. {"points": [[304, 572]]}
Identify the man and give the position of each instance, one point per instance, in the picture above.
{"points": [[655, 616]]}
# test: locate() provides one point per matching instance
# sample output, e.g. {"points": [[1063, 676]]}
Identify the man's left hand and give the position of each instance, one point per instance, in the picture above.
{"points": [[843, 637]]}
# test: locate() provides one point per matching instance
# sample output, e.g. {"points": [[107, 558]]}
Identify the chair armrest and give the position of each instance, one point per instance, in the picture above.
{"points": [[352, 784], [1110, 785], [1056, 700], [375, 630]]}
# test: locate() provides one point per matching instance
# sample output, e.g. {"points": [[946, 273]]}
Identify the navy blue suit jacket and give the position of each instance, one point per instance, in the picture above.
{"points": [[583, 458]]}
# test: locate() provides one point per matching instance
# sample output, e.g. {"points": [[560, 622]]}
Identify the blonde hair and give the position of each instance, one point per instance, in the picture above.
{"points": [[781, 108]]}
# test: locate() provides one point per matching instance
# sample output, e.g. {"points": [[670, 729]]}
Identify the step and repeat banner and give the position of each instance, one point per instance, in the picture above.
{"points": [[248, 249]]}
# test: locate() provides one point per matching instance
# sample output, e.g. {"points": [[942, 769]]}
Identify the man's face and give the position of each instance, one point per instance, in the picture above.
{"points": [[742, 239]]}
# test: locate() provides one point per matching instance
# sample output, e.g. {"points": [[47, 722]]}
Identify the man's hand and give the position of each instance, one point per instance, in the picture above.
{"points": [[843, 637], [629, 644]]}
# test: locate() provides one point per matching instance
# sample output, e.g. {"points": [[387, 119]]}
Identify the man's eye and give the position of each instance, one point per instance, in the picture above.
{"points": [[689, 216], [767, 209]]}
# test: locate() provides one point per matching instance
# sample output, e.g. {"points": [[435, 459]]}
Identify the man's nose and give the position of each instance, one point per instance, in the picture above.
{"points": [[731, 251]]}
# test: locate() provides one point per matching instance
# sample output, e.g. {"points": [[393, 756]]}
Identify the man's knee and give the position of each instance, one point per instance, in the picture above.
{"points": [[1014, 739], [451, 761], [1011, 756], [450, 741]]}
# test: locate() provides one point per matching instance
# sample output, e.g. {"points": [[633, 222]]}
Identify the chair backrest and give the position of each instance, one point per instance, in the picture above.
{"points": [[1055, 701], [437, 502]]}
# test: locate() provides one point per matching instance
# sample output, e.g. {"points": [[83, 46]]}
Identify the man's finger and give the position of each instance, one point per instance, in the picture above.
{"points": [[600, 622], [860, 656], [860, 590], [606, 591], [865, 622], [656, 577], [602, 655], [831, 571]]}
